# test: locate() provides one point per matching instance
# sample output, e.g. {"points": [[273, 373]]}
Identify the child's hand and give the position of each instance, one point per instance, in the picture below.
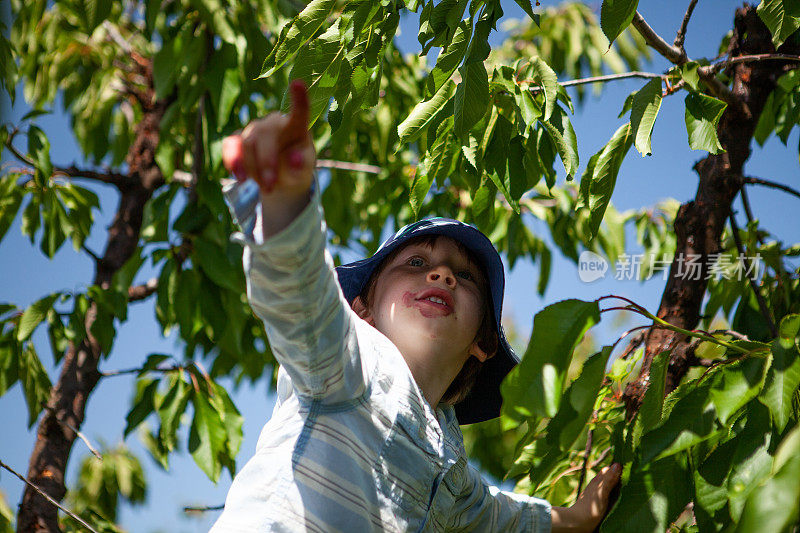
{"points": [[591, 506], [275, 151]]}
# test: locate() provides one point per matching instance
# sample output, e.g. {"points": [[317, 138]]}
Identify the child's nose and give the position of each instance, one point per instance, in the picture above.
{"points": [[442, 273]]}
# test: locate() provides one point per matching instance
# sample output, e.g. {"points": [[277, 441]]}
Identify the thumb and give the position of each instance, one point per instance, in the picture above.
{"points": [[232, 156]]}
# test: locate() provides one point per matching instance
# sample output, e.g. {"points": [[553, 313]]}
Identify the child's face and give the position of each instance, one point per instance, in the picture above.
{"points": [[429, 299]]}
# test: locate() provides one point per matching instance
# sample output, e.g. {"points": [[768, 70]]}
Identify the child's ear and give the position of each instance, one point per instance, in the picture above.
{"points": [[362, 311], [479, 353]]}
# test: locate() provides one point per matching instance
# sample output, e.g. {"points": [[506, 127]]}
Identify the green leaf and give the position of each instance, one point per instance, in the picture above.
{"points": [[773, 505], [653, 402], [318, 65], [35, 383], [689, 75], [528, 8], [449, 59], [561, 132], [578, 402], [10, 200], [733, 469], [143, 404], [207, 437], [600, 177], [782, 17], [615, 16], [91, 13], [297, 33], [9, 364], [170, 409], [783, 377], [644, 110], [423, 113], [39, 149], [217, 266], [690, 421], [546, 77], [231, 418], [650, 498], [535, 385], [34, 315], [788, 330], [420, 186], [736, 384], [471, 98], [702, 118]]}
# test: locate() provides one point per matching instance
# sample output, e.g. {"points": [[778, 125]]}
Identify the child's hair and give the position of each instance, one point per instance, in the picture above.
{"points": [[486, 336]]}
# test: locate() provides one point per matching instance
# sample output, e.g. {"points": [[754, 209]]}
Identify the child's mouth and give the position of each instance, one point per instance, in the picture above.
{"points": [[432, 302]]}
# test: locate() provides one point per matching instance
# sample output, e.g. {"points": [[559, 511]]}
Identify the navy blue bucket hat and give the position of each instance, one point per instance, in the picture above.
{"points": [[484, 400]]}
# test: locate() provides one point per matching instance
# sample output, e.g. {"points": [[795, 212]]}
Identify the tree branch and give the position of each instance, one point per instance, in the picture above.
{"points": [[596, 79], [108, 176], [681, 36], [762, 305], [137, 293], [672, 53], [76, 431], [343, 165], [752, 58], [767, 183], [48, 497], [203, 508]]}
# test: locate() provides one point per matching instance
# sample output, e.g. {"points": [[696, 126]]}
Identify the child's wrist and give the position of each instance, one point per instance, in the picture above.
{"points": [[279, 208]]}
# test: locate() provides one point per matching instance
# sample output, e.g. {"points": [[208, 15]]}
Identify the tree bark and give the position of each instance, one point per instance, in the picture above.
{"points": [[699, 223], [79, 373]]}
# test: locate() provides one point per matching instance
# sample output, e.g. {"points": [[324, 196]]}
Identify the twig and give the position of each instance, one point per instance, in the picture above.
{"points": [[767, 183], [746, 204], [586, 452], [596, 79], [635, 342], [74, 430], [732, 333], [112, 178], [681, 36], [203, 508], [137, 370], [140, 292], [117, 37], [48, 497], [762, 305], [673, 53], [97, 259], [343, 165], [721, 91], [753, 58]]}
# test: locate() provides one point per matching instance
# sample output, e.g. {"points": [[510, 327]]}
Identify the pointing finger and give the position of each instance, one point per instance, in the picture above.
{"points": [[296, 128]]}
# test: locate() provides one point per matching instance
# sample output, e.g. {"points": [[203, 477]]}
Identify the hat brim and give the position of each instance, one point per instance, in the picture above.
{"points": [[484, 399]]}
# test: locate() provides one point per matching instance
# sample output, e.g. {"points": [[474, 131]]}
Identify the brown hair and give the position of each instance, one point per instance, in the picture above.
{"points": [[486, 336]]}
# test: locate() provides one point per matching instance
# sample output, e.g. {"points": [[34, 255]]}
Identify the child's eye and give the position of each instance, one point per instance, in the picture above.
{"points": [[416, 262], [467, 275]]}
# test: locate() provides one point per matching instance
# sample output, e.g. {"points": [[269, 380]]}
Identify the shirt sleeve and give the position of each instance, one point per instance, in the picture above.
{"points": [[484, 507], [292, 287]]}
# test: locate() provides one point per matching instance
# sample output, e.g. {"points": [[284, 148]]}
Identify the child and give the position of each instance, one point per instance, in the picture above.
{"points": [[364, 435]]}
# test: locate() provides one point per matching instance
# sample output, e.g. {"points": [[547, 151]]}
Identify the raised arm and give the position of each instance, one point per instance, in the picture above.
{"points": [[291, 284], [487, 508]]}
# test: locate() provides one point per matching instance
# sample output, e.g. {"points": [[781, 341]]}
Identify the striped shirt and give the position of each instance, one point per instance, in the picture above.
{"points": [[352, 445]]}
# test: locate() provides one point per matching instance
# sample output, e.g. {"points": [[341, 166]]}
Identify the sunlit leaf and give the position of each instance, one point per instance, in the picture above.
{"points": [[535, 385], [644, 110], [702, 118]]}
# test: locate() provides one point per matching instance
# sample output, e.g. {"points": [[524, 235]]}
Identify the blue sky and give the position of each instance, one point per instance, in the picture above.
{"points": [[25, 275]]}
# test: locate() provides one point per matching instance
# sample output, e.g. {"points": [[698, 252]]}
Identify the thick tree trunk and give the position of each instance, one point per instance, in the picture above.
{"points": [[79, 374], [699, 223]]}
